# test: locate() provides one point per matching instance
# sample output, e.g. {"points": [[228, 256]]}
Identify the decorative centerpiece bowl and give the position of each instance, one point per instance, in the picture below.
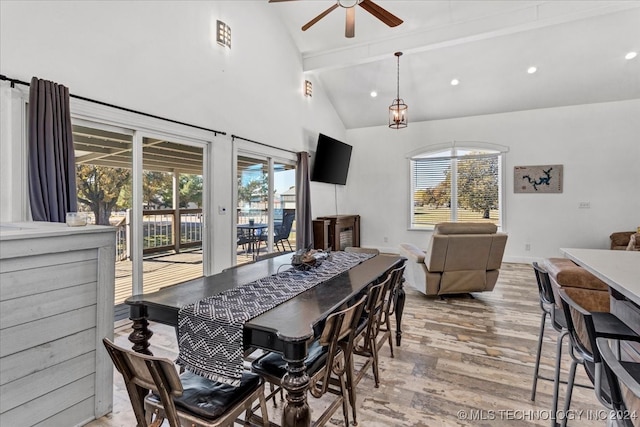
{"points": [[305, 259]]}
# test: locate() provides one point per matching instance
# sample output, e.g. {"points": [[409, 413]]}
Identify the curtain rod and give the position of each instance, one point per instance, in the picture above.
{"points": [[215, 132], [262, 143]]}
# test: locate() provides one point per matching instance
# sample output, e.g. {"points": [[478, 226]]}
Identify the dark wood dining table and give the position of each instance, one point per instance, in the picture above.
{"points": [[287, 328]]}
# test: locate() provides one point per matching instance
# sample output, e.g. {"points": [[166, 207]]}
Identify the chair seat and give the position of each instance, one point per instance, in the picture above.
{"points": [[210, 399], [633, 368], [274, 365], [608, 325]]}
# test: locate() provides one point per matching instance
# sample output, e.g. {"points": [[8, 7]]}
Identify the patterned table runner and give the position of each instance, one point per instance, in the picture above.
{"points": [[210, 330]]}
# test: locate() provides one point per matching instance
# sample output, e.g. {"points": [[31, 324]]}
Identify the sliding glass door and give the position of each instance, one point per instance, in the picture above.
{"points": [[104, 178], [172, 212], [150, 188], [265, 211]]}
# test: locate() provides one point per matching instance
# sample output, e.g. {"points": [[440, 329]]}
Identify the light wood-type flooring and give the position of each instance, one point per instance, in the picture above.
{"points": [[460, 358]]}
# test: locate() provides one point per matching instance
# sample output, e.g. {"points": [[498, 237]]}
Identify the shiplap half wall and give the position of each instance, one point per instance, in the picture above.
{"points": [[56, 305]]}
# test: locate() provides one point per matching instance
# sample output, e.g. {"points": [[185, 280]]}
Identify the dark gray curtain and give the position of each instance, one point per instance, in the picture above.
{"points": [[52, 164], [304, 224]]}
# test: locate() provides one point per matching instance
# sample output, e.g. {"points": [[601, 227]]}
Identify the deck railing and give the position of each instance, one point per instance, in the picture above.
{"points": [[159, 229]]}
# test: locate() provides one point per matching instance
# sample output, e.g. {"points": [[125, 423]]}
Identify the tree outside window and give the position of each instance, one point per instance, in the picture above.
{"points": [[458, 185]]}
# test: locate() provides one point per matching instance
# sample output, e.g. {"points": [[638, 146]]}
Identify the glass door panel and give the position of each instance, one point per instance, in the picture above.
{"points": [[284, 206], [266, 207], [172, 213], [104, 184], [252, 212]]}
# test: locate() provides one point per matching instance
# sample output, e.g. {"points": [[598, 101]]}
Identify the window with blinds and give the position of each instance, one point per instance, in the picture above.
{"points": [[458, 185]]}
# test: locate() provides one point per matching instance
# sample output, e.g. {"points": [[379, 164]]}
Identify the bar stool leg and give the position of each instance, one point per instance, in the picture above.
{"points": [[556, 378], [537, 368], [567, 402]]}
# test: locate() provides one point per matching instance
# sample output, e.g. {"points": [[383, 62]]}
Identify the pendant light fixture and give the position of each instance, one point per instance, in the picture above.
{"points": [[398, 109]]}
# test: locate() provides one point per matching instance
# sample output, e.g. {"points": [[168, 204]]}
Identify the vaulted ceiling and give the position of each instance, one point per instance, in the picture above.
{"points": [[578, 48]]}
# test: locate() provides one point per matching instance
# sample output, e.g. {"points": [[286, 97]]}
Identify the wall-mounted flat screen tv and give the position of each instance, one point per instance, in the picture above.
{"points": [[332, 159]]}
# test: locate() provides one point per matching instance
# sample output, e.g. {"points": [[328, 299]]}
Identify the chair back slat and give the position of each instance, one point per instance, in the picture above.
{"points": [[143, 372], [625, 387], [580, 325], [374, 312], [397, 276], [544, 285], [338, 336]]}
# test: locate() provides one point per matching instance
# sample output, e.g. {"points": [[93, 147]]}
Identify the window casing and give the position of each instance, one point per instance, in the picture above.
{"points": [[456, 184]]}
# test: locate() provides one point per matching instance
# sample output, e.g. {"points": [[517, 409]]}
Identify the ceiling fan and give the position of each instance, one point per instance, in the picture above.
{"points": [[349, 6]]}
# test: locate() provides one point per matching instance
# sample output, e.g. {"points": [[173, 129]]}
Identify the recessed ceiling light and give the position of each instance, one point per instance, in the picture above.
{"points": [[455, 82], [531, 70], [374, 93], [631, 55]]}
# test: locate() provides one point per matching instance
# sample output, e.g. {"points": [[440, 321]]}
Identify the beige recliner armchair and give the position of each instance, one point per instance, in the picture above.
{"points": [[460, 258]]}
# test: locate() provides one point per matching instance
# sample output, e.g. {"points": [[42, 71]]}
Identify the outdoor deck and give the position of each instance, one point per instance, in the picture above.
{"points": [[160, 271]]}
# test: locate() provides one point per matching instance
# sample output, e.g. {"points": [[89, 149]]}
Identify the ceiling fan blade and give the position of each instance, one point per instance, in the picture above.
{"points": [[308, 25], [382, 14], [350, 27], [277, 1]]}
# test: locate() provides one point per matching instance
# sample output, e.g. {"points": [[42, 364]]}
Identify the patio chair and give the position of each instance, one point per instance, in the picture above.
{"points": [[282, 232]]}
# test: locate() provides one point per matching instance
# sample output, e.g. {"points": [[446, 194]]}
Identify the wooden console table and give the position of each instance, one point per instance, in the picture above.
{"points": [[342, 231]]}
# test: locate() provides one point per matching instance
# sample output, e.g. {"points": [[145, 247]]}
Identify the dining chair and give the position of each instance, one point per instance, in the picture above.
{"points": [[397, 277], [329, 363], [368, 330], [624, 382], [584, 328], [186, 399]]}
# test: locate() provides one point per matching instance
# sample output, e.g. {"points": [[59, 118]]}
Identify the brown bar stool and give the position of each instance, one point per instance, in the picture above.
{"points": [[584, 328], [624, 382], [559, 324]]}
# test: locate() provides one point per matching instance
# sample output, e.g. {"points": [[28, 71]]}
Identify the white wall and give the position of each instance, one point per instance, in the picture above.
{"points": [[160, 57], [598, 144]]}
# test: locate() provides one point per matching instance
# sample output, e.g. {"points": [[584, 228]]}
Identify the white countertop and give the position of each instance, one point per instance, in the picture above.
{"points": [[618, 269]]}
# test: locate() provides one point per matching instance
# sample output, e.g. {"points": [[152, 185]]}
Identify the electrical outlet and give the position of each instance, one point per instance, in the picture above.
{"points": [[527, 246], [386, 239], [222, 210]]}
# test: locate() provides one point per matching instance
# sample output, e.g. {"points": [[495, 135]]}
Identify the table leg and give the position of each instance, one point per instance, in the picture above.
{"points": [[399, 303], [141, 332], [140, 340], [296, 382]]}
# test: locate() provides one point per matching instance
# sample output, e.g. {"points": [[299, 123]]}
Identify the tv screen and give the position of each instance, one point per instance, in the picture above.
{"points": [[332, 161]]}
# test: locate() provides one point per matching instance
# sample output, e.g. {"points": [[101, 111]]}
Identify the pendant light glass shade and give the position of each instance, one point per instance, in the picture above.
{"points": [[398, 117]]}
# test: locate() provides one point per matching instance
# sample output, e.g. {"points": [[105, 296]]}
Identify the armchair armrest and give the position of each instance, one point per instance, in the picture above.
{"points": [[412, 252]]}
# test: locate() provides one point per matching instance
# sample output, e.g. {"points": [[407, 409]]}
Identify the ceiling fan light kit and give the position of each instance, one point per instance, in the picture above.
{"points": [[398, 117]]}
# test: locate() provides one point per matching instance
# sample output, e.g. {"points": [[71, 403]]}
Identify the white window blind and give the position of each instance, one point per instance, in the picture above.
{"points": [[459, 185]]}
